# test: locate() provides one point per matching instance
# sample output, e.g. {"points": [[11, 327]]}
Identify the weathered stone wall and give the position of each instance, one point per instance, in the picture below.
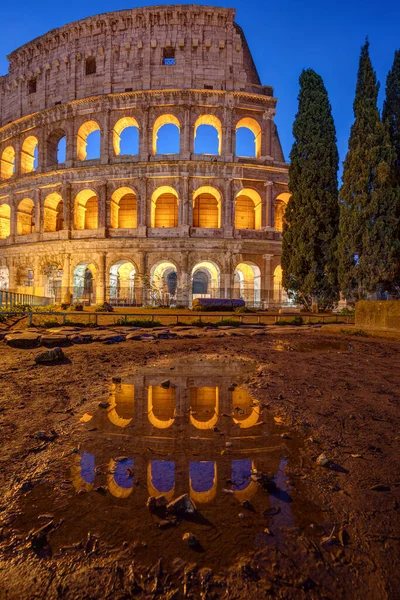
{"points": [[378, 315]]}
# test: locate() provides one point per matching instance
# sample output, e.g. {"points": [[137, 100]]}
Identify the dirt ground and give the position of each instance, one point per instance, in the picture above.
{"points": [[319, 393]]}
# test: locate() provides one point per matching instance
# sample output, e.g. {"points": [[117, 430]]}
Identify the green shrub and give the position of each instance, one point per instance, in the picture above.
{"points": [[231, 322], [243, 309], [295, 321], [137, 322]]}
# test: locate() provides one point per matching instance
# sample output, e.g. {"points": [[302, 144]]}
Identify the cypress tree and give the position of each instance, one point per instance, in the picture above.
{"points": [[367, 231], [312, 213]]}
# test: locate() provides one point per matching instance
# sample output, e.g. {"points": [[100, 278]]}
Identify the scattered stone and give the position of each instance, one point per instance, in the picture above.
{"points": [[191, 540], [116, 379], [23, 340], [154, 502], [53, 340], [165, 384], [380, 487], [322, 460], [101, 489], [247, 504], [104, 404], [228, 444], [50, 356], [85, 338], [285, 436], [241, 516], [182, 506], [113, 339], [165, 524], [265, 481]]}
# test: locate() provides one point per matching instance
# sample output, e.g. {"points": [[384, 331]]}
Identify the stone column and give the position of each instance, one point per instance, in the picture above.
{"points": [[267, 212], [102, 208], [13, 219], [70, 154], [105, 139], [101, 279], [68, 208], [39, 212], [143, 261], [267, 288], [185, 141], [144, 136], [266, 144], [41, 152], [17, 147], [226, 216], [66, 278], [184, 282], [142, 204]]}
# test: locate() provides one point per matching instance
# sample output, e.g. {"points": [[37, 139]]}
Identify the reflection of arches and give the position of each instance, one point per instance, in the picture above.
{"points": [[86, 210], [161, 406], [163, 283], [243, 487], [207, 207], [205, 280], [84, 282], [4, 278], [54, 143], [243, 147], [208, 121], [248, 209], [53, 212], [120, 477], [247, 282], [161, 478], [7, 163], [164, 207], [29, 154], [203, 481], [204, 405], [126, 136], [120, 413], [280, 208], [84, 131], [171, 139], [122, 282], [83, 472], [244, 413], [25, 217], [123, 209], [5, 221]]}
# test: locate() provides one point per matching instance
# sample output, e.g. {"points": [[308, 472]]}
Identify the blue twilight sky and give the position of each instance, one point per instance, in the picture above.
{"points": [[284, 37]]}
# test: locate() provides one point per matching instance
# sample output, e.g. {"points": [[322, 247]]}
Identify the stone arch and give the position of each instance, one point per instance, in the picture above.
{"points": [[83, 472], [210, 121], [120, 413], [122, 276], [53, 212], [29, 153], [53, 281], [243, 487], [164, 283], [119, 128], [161, 403], [161, 121], [86, 129], [204, 404], [161, 478], [203, 481], [208, 285], [7, 163], [248, 209], [120, 477], [255, 128], [280, 205], [5, 221], [123, 209], [164, 207], [53, 147], [84, 282], [280, 295], [248, 415], [207, 207], [86, 210], [247, 282], [25, 217]]}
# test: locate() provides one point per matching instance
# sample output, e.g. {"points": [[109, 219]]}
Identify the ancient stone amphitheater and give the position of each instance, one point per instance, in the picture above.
{"points": [[122, 171]]}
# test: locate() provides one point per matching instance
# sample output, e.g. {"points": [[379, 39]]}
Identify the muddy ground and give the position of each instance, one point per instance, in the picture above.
{"points": [[319, 394]]}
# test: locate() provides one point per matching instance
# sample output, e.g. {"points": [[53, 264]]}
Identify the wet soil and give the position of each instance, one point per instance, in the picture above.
{"points": [[237, 424]]}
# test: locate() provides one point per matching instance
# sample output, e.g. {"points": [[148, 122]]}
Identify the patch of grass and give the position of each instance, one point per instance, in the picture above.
{"points": [[138, 322], [229, 322], [357, 332], [68, 322], [296, 321]]}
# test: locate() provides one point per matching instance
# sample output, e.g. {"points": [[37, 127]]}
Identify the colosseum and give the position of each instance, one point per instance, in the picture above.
{"points": [[140, 163]]}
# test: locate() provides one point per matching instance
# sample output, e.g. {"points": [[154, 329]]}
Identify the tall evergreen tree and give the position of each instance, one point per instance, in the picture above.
{"points": [[312, 213], [391, 118], [367, 232]]}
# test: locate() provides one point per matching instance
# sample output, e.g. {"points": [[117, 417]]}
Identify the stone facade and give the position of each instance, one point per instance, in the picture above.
{"points": [[142, 227]]}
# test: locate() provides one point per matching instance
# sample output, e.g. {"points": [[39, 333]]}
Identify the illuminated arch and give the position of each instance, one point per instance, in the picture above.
{"points": [[7, 163], [5, 221], [243, 487], [53, 143], [280, 208], [248, 208], [122, 282], [161, 404], [247, 282], [163, 282], [214, 122], [204, 404], [164, 207], [29, 154], [84, 282], [119, 128], [255, 128], [166, 119], [123, 209], [161, 478], [86, 210], [81, 138], [120, 477], [244, 413], [280, 294], [53, 212], [25, 217], [83, 472], [207, 207], [120, 412], [203, 481], [208, 285]]}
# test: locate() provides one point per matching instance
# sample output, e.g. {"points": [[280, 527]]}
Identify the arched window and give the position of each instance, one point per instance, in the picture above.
{"points": [[88, 141], [205, 280], [122, 283], [126, 137], [90, 65], [248, 209], [123, 209], [86, 210], [208, 135], [53, 209], [247, 283], [163, 284], [25, 222], [56, 148], [5, 221], [7, 163], [29, 154], [248, 138], [164, 207], [166, 135], [207, 208], [280, 208]]}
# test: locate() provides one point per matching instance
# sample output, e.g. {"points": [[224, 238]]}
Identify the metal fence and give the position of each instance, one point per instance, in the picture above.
{"points": [[11, 299]]}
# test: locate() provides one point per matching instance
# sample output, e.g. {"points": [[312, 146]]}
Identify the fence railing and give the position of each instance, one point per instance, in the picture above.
{"points": [[10, 299]]}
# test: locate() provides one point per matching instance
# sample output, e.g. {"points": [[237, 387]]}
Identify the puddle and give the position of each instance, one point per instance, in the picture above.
{"points": [[172, 429]]}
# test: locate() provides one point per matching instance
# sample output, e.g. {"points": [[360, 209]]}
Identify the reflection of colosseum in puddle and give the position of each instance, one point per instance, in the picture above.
{"points": [[140, 162]]}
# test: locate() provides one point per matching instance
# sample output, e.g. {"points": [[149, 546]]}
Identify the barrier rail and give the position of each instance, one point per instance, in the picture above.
{"points": [[10, 299]]}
